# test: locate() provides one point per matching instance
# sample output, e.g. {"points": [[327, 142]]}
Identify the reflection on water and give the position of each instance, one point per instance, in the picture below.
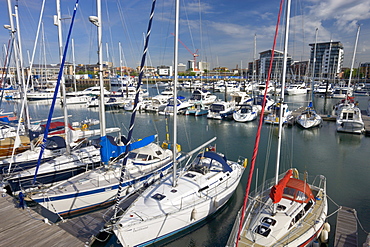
{"points": [[309, 134], [349, 140]]}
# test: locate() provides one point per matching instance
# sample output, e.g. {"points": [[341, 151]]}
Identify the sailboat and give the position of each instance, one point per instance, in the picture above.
{"points": [[309, 117], [274, 116], [142, 163], [286, 211], [180, 200], [349, 118]]}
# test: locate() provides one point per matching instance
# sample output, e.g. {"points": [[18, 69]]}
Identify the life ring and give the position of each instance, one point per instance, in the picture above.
{"points": [[295, 173], [84, 126]]}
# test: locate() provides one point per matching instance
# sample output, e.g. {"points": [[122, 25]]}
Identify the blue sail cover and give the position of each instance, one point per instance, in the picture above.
{"points": [[110, 149], [217, 157]]}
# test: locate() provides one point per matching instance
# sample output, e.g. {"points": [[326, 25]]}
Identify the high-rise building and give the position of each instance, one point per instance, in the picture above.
{"points": [[328, 60], [277, 65]]}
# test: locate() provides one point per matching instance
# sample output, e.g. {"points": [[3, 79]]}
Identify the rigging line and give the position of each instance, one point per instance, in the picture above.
{"points": [[187, 20], [126, 29], [30, 74], [200, 28], [55, 93], [133, 115], [258, 135], [110, 34]]}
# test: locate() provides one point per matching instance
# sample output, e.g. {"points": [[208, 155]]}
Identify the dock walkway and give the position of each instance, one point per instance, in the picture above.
{"points": [[346, 228], [24, 227]]}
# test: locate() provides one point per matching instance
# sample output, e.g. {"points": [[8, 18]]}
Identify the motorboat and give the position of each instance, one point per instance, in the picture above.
{"points": [[245, 113], [221, 110], [349, 120]]}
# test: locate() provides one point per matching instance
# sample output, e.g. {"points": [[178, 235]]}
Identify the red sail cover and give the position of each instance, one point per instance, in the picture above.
{"points": [[277, 190]]}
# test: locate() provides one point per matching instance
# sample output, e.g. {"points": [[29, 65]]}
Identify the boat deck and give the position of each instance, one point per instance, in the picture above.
{"points": [[346, 228], [304, 225], [26, 228]]}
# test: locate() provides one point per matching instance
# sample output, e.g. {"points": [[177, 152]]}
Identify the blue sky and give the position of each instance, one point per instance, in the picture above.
{"points": [[222, 32]]}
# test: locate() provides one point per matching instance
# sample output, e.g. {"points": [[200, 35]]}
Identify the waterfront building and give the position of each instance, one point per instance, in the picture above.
{"points": [[328, 60], [277, 65]]}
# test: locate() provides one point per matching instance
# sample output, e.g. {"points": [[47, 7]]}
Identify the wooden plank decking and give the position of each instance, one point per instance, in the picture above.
{"points": [[346, 228], [23, 227]]}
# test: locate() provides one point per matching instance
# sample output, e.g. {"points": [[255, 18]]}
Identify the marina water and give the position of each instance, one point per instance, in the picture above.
{"points": [[343, 158]]}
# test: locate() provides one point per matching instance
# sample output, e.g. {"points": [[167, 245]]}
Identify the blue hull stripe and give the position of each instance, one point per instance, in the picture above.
{"points": [[100, 190]]}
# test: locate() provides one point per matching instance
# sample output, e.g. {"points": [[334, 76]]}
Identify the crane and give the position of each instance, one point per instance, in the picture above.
{"points": [[195, 54]]}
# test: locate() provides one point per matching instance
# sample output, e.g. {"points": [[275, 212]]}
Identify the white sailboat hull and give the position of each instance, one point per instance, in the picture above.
{"points": [[99, 194], [144, 223]]}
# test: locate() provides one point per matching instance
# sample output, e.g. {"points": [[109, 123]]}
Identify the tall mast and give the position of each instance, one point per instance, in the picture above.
{"points": [[58, 23], [175, 59], [74, 65], [353, 57], [313, 65], [23, 90], [97, 21], [285, 58], [254, 59]]}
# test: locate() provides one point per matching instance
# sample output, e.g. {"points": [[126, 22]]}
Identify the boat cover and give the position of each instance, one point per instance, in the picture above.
{"points": [[217, 157], [277, 190], [109, 149]]}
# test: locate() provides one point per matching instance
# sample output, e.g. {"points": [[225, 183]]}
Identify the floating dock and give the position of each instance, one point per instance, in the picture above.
{"points": [[24, 227], [346, 228]]}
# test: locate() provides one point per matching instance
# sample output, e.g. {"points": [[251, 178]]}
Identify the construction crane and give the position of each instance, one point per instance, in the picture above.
{"points": [[195, 54]]}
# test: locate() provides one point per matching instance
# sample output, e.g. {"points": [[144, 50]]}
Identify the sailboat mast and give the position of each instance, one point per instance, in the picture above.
{"points": [[100, 54], [285, 58], [175, 59], [21, 64], [58, 23], [254, 59], [353, 57], [74, 65], [313, 65]]}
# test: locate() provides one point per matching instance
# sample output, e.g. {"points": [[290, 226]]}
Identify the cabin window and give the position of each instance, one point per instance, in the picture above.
{"points": [[158, 197], [350, 116], [262, 230], [142, 157], [217, 108], [132, 155], [289, 192], [301, 196]]}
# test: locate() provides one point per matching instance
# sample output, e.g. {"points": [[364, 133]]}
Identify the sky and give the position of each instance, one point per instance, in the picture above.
{"points": [[223, 33]]}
